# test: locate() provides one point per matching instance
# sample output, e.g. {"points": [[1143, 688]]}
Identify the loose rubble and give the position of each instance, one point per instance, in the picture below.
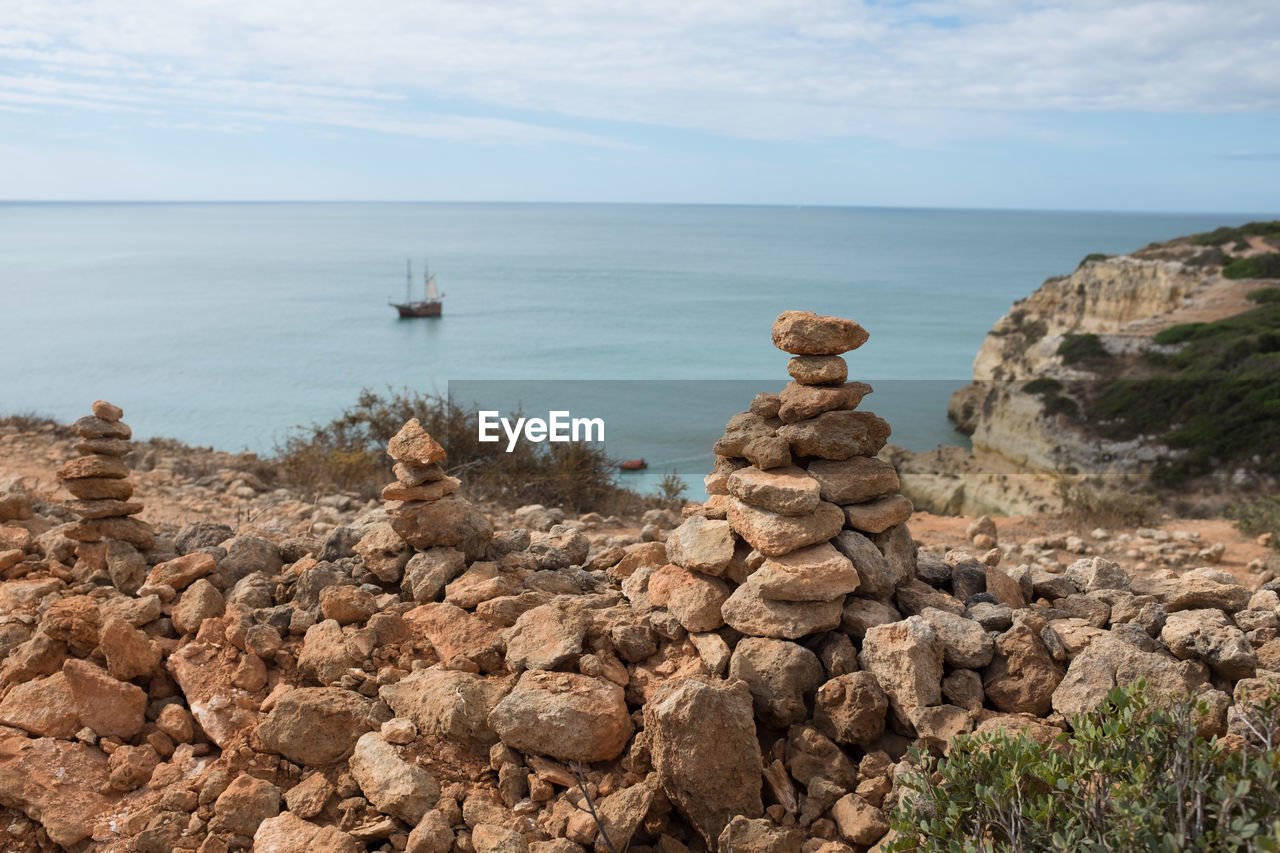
{"points": [[747, 677]]}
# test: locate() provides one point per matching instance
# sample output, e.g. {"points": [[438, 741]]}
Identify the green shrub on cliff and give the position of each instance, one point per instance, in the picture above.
{"points": [[1217, 399], [1224, 235], [1082, 347], [349, 454], [1264, 295], [1132, 775], [1256, 266]]}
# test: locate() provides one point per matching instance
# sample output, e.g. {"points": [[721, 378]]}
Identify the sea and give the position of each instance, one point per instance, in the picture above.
{"points": [[235, 325]]}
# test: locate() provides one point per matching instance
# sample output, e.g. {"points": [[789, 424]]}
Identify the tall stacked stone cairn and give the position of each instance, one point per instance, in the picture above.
{"points": [[99, 480]]}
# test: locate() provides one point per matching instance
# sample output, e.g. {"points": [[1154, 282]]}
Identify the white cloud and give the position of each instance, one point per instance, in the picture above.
{"points": [[769, 69]]}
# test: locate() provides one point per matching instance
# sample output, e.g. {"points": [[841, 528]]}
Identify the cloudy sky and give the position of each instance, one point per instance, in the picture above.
{"points": [[1079, 104]]}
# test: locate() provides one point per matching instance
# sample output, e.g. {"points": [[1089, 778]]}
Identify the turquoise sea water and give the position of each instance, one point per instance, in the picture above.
{"points": [[228, 324]]}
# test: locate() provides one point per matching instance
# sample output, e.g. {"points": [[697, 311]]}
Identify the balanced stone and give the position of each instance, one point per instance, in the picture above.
{"points": [[800, 402], [818, 369], [773, 534], [104, 508], [94, 466], [99, 488], [837, 435], [137, 533], [787, 491], [749, 612], [765, 405], [806, 333], [432, 491], [106, 411], [854, 480], [412, 445], [91, 427], [878, 515], [102, 446], [416, 475], [816, 573]]}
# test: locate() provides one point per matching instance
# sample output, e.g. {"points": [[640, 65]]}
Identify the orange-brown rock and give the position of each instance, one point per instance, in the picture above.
{"points": [[774, 535], [137, 533], [94, 427], [450, 521], [181, 572], [416, 475], [413, 445], [800, 402], [837, 435], [432, 491], [818, 369], [104, 508], [107, 412], [565, 715], [807, 333], [57, 782], [102, 446], [94, 466], [99, 488]]}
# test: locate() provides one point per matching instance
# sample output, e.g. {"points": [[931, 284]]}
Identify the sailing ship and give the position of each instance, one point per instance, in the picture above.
{"points": [[429, 306]]}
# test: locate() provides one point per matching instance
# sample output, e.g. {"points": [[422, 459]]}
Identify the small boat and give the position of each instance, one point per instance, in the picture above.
{"points": [[633, 465], [429, 306]]}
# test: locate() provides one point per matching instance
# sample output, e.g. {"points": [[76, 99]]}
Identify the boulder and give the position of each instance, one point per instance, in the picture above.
{"points": [[800, 402], [878, 578], [565, 715], [836, 435], [288, 833], [391, 784], [759, 836], [807, 333], [1022, 675], [383, 552], [786, 491], [906, 659], [244, 805], [316, 725], [749, 612], [413, 445], [451, 522], [62, 784], [181, 572], [774, 535], [781, 675], [692, 725], [965, 644], [816, 573], [855, 480], [1111, 661], [1097, 573], [447, 703], [546, 637], [851, 708], [857, 821], [427, 573], [1209, 636], [878, 515], [107, 706], [694, 599], [818, 369]]}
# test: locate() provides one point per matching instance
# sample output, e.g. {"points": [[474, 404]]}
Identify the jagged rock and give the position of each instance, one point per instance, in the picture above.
{"points": [[62, 784], [812, 755], [246, 555], [782, 677], [433, 490], [855, 480], [878, 578], [390, 783], [546, 637], [315, 725], [692, 725], [448, 703], [858, 821], [623, 812], [816, 573], [965, 643], [427, 573], [288, 833], [1022, 675], [129, 652], [851, 708], [413, 445], [786, 491], [383, 552], [818, 370], [807, 333], [746, 610], [1110, 661], [199, 602], [244, 805], [1096, 573], [107, 706], [451, 522], [454, 632], [694, 599], [860, 614], [1208, 635], [326, 655], [906, 659], [560, 547], [197, 535], [775, 535], [836, 435], [741, 835], [800, 402], [565, 715], [1194, 591], [878, 515], [182, 572]]}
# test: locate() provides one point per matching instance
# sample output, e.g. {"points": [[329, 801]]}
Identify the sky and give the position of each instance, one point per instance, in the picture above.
{"points": [[1158, 105]]}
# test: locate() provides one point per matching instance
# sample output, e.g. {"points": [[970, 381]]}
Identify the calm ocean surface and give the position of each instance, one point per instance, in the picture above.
{"points": [[229, 324]]}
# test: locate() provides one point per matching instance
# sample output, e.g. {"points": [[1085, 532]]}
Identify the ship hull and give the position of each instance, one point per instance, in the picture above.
{"points": [[419, 309]]}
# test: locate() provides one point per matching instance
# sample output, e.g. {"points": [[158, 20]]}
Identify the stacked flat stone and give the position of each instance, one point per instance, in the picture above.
{"points": [[804, 534], [99, 480], [425, 510]]}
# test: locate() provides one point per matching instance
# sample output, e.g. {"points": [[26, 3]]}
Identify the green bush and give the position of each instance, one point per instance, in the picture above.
{"points": [[1083, 347], [1056, 404], [1256, 266], [1217, 398], [1133, 775], [349, 454], [1258, 516], [1224, 235], [1092, 256], [1043, 385], [1264, 295]]}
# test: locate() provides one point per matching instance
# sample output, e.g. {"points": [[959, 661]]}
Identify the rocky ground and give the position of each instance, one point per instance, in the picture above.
{"points": [[290, 673]]}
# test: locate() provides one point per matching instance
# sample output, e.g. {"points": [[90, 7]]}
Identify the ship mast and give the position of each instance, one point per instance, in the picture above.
{"points": [[408, 279]]}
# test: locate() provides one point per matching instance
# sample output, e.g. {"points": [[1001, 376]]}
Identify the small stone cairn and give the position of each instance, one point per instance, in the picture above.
{"points": [[425, 509], [99, 480], [802, 517]]}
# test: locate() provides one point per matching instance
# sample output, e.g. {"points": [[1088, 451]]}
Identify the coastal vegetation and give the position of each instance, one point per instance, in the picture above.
{"points": [[1215, 399], [1134, 774], [1076, 348], [348, 454], [1259, 516]]}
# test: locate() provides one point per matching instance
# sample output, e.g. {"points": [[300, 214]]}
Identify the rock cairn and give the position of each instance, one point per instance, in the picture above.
{"points": [[99, 480]]}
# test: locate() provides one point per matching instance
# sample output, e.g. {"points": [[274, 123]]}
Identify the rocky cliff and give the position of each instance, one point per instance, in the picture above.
{"points": [[1040, 366]]}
